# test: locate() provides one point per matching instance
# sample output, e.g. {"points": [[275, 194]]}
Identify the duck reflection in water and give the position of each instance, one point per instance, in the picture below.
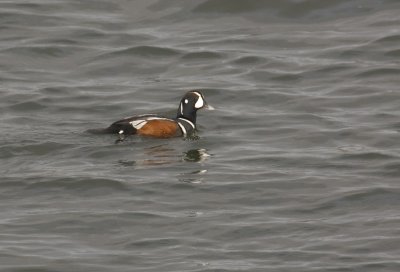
{"points": [[163, 155]]}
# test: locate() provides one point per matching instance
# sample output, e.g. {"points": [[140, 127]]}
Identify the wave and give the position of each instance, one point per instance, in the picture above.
{"points": [[145, 51]]}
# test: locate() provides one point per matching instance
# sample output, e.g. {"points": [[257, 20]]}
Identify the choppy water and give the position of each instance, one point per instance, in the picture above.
{"points": [[297, 169]]}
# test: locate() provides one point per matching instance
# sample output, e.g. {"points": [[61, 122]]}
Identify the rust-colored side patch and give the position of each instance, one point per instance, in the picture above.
{"points": [[159, 129]]}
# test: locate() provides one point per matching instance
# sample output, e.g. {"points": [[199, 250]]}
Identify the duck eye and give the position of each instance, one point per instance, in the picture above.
{"points": [[186, 101]]}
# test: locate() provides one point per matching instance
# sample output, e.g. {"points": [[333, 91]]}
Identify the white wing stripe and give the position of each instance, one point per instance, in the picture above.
{"points": [[138, 123]]}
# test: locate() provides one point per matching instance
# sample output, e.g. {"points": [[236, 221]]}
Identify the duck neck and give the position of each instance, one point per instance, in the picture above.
{"points": [[186, 114]]}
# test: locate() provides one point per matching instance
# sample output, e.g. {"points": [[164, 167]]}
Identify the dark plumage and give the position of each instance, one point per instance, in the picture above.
{"points": [[153, 125]]}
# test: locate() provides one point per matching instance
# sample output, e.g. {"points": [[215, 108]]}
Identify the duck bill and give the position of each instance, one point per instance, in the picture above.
{"points": [[208, 107]]}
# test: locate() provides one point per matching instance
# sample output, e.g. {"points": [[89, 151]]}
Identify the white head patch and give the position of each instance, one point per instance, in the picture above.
{"points": [[200, 102], [186, 101]]}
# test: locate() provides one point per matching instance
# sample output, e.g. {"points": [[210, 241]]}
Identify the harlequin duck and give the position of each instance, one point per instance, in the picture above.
{"points": [[156, 126]]}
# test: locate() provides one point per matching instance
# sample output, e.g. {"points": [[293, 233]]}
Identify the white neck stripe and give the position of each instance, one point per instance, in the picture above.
{"points": [[187, 121], [182, 128]]}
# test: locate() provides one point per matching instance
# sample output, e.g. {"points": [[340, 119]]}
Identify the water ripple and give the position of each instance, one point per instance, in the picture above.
{"points": [[296, 170]]}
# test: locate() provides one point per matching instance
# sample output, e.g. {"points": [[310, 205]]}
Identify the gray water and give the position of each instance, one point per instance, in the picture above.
{"points": [[297, 169]]}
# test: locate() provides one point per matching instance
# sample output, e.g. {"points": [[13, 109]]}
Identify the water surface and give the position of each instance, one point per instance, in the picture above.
{"points": [[297, 169]]}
